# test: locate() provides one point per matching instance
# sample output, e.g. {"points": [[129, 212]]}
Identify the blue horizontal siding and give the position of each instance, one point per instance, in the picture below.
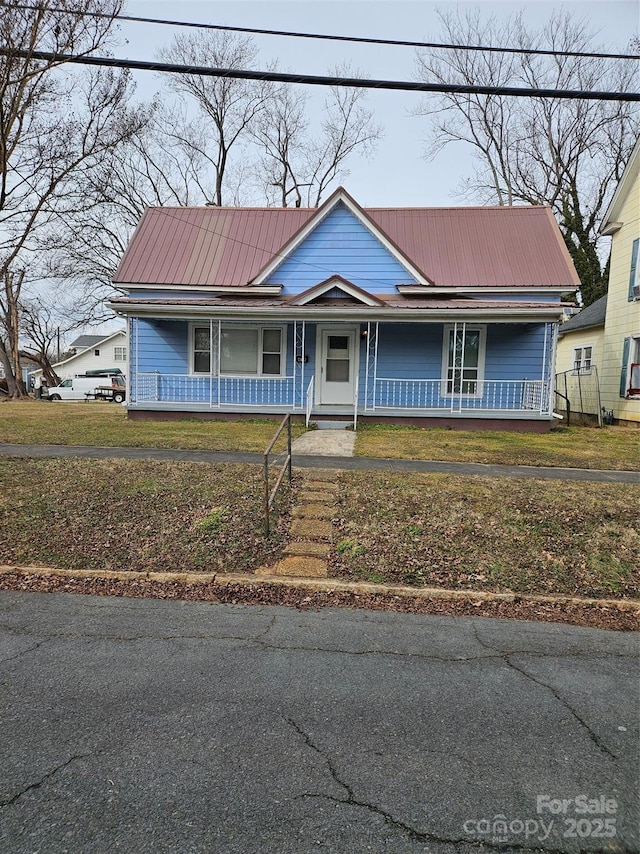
{"points": [[161, 345], [522, 295], [514, 352], [340, 245]]}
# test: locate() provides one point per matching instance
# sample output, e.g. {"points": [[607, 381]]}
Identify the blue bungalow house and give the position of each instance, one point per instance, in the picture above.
{"points": [[429, 315]]}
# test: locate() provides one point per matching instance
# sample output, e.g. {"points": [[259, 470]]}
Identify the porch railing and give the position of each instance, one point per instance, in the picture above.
{"points": [[383, 394], [499, 395], [214, 391]]}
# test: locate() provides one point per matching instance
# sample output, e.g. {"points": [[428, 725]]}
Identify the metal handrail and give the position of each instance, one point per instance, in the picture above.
{"points": [[309, 402], [355, 405], [270, 495]]}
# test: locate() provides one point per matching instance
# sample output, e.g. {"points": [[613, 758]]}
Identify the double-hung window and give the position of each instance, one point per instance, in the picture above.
{"points": [[119, 354], [244, 351], [463, 360], [582, 360]]}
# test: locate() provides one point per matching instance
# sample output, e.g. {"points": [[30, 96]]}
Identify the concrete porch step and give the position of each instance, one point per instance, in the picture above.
{"points": [[325, 424]]}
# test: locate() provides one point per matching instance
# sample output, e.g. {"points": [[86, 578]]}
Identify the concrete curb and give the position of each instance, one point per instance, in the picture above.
{"points": [[320, 585]]}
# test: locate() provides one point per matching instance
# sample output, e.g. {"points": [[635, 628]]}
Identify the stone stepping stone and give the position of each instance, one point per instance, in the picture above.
{"points": [[312, 511], [321, 475], [311, 548], [297, 567], [316, 497], [311, 528], [319, 486]]}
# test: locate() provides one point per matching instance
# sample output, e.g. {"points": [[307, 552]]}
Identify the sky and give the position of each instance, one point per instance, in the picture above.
{"points": [[398, 174]]}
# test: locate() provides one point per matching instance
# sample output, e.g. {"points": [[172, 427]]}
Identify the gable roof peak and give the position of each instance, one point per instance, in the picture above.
{"points": [[340, 195]]}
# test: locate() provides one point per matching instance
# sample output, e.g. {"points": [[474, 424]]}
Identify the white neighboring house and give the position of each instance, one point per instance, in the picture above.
{"points": [[94, 353]]}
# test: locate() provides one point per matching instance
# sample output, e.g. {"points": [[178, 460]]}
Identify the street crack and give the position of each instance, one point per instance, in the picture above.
{"points": [[43, 779]]}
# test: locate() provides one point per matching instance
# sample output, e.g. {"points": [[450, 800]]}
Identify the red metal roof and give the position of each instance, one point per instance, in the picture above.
{"points": [[473, 246]]}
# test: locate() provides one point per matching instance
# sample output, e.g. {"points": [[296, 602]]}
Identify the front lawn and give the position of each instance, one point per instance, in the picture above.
{"points": [[106, 425], [130, 515], [572, 447], [526, 536]]}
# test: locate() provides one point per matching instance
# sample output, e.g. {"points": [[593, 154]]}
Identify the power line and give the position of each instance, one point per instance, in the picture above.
{"points": [[320, 80], [351, 39]]}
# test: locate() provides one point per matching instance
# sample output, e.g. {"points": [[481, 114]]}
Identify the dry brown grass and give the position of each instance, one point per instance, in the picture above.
{"points": [[573, 447], [527, 536]]}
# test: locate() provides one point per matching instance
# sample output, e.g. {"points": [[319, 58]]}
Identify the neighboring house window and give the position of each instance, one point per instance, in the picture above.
{"points": [[582, 360], [463, 360], [244, 350], [119, 354], [634, 273], [630, 374], [96, 352]]}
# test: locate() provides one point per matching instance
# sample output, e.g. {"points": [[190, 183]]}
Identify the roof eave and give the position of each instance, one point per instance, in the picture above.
{"points": [[418, 290], [361, 314], [243, 290]]}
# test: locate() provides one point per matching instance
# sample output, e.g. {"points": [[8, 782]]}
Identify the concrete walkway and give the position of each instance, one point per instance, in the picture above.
{"points": [[319, 461], [325, 443]]}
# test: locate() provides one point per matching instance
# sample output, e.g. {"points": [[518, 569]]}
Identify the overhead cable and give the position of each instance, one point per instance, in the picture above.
{"points": [[320, 80], [327, 37]]}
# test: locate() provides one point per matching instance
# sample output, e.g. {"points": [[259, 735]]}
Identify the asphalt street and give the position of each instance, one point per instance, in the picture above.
{"points": [[163, 726]]}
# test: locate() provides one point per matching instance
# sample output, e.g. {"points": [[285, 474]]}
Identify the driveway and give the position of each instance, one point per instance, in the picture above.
{"points": [[149, 726]]}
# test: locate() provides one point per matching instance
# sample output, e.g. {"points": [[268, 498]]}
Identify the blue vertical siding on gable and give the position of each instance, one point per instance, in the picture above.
{"points": [[340, 245]]}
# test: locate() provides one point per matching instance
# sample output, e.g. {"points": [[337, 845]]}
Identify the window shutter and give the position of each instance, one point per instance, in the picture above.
{"points": [[634, 266], [625, 367]]}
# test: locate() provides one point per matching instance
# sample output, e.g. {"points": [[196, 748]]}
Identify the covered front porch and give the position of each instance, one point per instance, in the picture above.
{"points": [[459, 370]]}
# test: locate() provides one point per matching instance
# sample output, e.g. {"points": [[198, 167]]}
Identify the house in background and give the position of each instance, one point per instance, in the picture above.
{"points": [[620, 365], [435, 316], [579, 360], [93, 353]]}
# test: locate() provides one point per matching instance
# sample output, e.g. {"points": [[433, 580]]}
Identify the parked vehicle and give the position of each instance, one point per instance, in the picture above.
{"points": [[95, 387]]}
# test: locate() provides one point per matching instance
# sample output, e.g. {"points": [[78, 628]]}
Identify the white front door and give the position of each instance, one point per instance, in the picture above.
{"points": [[338, 365]]}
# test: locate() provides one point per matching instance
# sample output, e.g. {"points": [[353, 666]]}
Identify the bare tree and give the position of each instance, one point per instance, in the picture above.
{"points": [[299, 165], [228, 106], [154, 167], [565, 154], [55, 124]]}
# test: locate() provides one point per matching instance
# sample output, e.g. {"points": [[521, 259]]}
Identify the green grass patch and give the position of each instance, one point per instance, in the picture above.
{"points": [[107, 425], [573, 447], [499, 534]]}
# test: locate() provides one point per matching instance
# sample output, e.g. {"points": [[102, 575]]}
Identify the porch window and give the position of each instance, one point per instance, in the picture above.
{"points": [[582, 360], [464, 359], [244, 350]]}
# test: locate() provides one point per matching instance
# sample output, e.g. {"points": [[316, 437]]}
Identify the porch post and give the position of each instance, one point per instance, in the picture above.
{"points": [[299, 333], [375, 362], [218, 359], [210, 362], [136, 331], [551, 384], [366, 367]]}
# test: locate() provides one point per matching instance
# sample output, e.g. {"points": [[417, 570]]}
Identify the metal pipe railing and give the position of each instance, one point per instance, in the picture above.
{"points": [[269, 496]]}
